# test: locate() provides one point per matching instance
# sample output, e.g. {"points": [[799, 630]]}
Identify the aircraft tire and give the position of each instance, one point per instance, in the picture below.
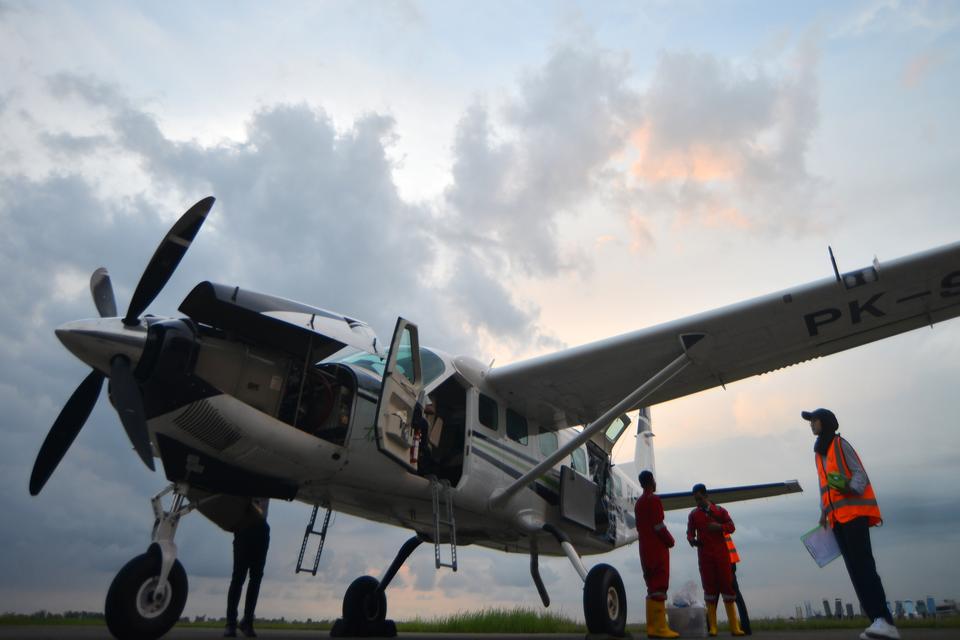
{"points": [[129, 609], [360, 606], [605, 601]]}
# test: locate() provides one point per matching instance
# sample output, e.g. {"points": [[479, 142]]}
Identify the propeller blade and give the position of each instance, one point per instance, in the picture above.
{"points": [[166, 258], [129, 405], [102, 292], [65, 428]]}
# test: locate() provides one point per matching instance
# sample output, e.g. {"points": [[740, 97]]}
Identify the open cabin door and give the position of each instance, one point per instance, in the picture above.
{"points": [[402, 384], [609, 437]]}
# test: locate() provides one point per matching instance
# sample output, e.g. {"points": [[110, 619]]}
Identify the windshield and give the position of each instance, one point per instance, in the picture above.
{"points": [[430, 362]]}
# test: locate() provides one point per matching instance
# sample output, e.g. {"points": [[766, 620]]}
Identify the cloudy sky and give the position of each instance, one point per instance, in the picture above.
{"points": [[515, 177]]}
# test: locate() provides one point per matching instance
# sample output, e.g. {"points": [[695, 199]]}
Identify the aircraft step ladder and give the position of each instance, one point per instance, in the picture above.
{"points": [[443, 498], [313, 532]]}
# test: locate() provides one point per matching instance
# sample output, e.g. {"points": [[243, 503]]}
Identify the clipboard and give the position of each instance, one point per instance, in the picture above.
{"points": [[822, 545]]}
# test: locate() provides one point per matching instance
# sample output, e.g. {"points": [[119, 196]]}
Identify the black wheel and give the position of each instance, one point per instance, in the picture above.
{"points": [[360, 604], [135, 608], [605, 601]]}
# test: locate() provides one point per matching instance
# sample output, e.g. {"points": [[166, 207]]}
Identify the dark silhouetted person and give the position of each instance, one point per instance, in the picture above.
{"points": [[741, 604], [849, 507], [250, 542]]}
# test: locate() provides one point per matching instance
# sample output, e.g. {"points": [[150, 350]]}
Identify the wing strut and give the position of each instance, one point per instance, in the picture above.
{"points": [[687, 342]]}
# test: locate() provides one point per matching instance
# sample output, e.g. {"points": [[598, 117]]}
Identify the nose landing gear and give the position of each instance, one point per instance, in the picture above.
{"points": [[148, 594], [139, 605]]}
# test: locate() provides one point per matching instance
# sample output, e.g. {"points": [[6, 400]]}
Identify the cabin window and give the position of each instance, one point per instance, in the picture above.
{"points": [[616, 428], [489, 412], [579, 461], [548, 442], [516, 426]]}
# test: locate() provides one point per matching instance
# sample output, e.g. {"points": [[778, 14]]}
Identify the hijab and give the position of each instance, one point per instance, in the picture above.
{"points": [[827, 432]]}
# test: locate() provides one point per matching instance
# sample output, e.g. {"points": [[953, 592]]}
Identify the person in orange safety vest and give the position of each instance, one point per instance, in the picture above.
{"points": [[655, 543], [706, 527], [849, 507], [741, 604]]}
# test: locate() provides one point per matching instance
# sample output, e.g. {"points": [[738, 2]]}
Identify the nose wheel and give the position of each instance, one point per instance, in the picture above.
{"points": [[148, 594], [140, 606]]}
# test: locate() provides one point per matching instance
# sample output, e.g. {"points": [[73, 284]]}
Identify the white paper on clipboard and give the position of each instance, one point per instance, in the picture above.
{"points": [[822, 545]]}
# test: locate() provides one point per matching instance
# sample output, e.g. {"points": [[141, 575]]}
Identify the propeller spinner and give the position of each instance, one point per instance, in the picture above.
{"points": [[110, 345]]}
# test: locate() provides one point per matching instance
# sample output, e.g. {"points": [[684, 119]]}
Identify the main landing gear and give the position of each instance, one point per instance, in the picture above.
{"points": [[604, 598], [365, 603], [148, 594]]}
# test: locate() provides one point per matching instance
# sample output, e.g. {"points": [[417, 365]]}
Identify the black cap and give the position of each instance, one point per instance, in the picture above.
{"points": [[699, 488], [646, 478], [825, 416]]}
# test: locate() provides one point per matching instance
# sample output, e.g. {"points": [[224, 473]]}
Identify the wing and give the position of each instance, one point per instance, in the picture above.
{"points": [[576, 385], [684, 499]]}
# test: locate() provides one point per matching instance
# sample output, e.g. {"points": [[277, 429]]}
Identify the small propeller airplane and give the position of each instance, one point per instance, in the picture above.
{"points": [[250, 395]]}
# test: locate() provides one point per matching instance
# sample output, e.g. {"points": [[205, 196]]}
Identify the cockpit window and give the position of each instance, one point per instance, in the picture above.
{"points": [[430, 362]]}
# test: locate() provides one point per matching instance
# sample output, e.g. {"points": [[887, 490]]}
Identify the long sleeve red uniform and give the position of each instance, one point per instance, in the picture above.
{"points": [[655, 543], [712, 551]]}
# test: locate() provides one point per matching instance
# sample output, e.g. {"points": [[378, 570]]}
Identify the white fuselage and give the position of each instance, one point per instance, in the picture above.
{"points": [[229, 408]]}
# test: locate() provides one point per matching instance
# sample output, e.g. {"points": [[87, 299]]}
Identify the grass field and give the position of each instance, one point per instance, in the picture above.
{"points": [[517, 620]]}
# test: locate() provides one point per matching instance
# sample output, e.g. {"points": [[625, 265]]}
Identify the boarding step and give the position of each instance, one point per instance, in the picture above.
{"points": [[313, 532], [443, 500]]}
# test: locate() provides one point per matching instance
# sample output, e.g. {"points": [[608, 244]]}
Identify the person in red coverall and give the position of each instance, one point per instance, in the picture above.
{"points": [[706, 528], [655, 543]]}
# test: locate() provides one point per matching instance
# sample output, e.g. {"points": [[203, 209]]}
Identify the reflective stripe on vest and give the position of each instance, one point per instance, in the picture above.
{"points": [[844, 507], [732, 548]]}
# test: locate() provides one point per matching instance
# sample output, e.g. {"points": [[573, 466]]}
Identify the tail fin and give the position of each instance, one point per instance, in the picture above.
{"points": [[643, 452]]}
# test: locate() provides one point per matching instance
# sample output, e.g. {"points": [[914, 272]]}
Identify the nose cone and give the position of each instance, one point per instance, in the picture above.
{"points": [[98, 340]]}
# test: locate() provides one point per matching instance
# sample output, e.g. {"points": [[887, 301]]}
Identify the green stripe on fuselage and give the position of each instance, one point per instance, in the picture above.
{"points": [[519, 465]]}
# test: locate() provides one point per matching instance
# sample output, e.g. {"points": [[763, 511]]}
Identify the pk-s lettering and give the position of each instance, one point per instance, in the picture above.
{"points": [[949, 287]]}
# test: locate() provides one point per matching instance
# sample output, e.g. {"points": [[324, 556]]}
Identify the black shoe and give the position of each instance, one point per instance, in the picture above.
{"points": [[246, 627], [230, 631]]}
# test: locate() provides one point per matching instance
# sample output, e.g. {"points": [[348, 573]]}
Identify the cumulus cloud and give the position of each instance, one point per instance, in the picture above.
{"points": [[319, 207], [514, 177], [724, 145], [893, 16], [917, 68]]}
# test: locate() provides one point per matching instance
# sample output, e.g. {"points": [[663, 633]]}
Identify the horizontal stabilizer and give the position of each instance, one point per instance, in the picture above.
{"points": [[684, 499]]}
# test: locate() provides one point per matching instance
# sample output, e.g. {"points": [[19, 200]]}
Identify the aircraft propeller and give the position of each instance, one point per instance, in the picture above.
{"points": [[102, 292], [124, 390]]}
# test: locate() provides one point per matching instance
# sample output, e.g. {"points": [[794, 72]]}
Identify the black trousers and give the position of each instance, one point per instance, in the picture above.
{"points": [[249, 556], [741, 605], [853, 538]]}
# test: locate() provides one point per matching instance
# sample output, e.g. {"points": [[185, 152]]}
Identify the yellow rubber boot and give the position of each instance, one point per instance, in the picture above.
{"points": [[651, 617], [731, 608], [661, 628], [712, 618]]}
